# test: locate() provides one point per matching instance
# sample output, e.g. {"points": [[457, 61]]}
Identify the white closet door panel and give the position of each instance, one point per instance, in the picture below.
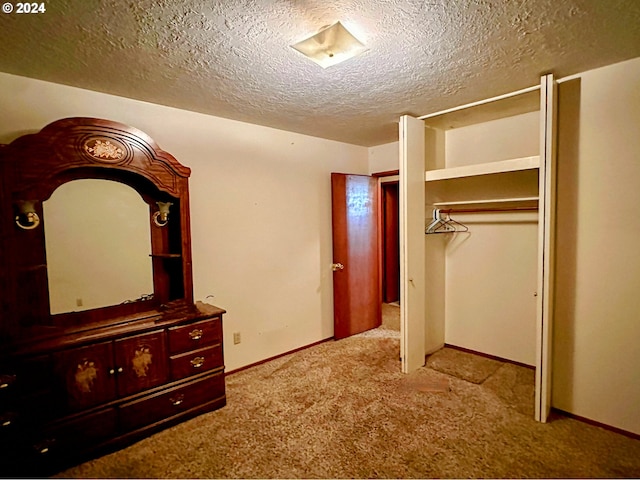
{"points": [[412, 243], [546, 247]]}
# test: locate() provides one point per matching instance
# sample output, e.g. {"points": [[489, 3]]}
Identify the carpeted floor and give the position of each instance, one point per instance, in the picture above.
{"points": [[342, 409]]}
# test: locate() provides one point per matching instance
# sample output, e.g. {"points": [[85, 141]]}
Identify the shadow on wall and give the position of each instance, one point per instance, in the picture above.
{"points": [[8, 137], [568, 155]]}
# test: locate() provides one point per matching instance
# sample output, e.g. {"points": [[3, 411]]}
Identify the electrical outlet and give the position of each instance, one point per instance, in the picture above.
{"points": [[236, 338], [78, 302]]}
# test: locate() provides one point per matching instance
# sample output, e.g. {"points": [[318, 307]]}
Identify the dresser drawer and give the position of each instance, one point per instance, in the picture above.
{"points": [[194, 335], [76, 434], [25, 377], [169, 403], [196, 361], [10, 423], [24, 415]]}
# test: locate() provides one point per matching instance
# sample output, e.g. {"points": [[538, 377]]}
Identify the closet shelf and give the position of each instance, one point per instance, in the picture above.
{"points": [[503, 166]]}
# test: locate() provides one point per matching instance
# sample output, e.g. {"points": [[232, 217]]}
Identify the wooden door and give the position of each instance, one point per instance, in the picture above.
{"points": [[141, 362], [356, 292]]}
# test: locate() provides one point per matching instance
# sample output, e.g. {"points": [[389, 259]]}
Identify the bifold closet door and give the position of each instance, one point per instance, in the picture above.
{"points": [[412, 244], [546, 235]]}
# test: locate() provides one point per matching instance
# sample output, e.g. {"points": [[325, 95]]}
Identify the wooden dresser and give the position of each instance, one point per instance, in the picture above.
{"points": [[79, 383]]}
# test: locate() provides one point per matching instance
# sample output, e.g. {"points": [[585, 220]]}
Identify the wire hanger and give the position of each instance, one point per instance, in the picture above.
{"points": [[443, 223]]}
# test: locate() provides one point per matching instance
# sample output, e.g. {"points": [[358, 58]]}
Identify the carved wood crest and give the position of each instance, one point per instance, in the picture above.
{"points": [[105, 150]]}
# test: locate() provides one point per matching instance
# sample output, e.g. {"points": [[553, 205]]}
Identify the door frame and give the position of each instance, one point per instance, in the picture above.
{"points": [[383, 180]]}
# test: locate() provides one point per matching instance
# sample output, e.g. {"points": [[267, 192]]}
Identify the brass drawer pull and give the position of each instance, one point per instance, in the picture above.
{"points": [[195, 334], [44, 446], [6, 420], [175, 401], [197, 362], [6, 381]]}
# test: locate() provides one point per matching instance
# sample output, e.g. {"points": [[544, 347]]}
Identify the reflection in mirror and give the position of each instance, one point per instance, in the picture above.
{"points": [[98, 242]]}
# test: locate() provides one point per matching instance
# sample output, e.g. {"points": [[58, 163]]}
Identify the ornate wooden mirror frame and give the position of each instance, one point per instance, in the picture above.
{"points": [[32, 167]]}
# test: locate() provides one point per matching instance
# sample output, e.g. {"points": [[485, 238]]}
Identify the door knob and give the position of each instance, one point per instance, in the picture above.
{"points": [[337, 266]]}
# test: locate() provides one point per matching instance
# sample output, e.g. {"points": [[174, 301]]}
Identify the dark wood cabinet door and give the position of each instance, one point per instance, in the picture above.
{"points": [[141, 362], [87, 375]]}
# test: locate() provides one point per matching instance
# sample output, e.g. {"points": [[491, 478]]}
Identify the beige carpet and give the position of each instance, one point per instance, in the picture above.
{"points": [[391, 316], [342, 409], [472, 368]]}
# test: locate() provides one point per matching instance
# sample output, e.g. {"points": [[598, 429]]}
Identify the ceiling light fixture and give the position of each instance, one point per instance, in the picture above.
{"points": [[331, 45]]}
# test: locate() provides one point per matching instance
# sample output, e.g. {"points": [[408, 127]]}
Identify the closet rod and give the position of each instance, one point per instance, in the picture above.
{"points": [[488, 210], [480, 102]]}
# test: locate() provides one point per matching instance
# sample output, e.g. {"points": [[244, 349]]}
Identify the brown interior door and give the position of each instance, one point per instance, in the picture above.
{"points": [[356, 292]]}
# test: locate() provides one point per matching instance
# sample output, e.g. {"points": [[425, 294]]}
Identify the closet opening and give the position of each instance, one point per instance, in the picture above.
{"points": [[482, 175]]}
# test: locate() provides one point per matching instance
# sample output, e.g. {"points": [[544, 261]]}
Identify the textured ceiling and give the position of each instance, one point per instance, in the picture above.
{"points": [[232, 58]]}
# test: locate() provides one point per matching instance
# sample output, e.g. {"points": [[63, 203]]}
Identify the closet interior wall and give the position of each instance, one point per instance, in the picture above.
{"points": [[485, 279]]}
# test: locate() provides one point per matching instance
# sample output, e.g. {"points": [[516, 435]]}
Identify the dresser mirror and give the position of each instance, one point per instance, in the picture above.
{"points": [[98, 246]]}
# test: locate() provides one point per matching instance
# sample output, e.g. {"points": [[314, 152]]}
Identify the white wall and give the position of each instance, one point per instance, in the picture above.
{"points": [[596, 367], [384, 158], [260, 209], [491, 277], [501, 139]]}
